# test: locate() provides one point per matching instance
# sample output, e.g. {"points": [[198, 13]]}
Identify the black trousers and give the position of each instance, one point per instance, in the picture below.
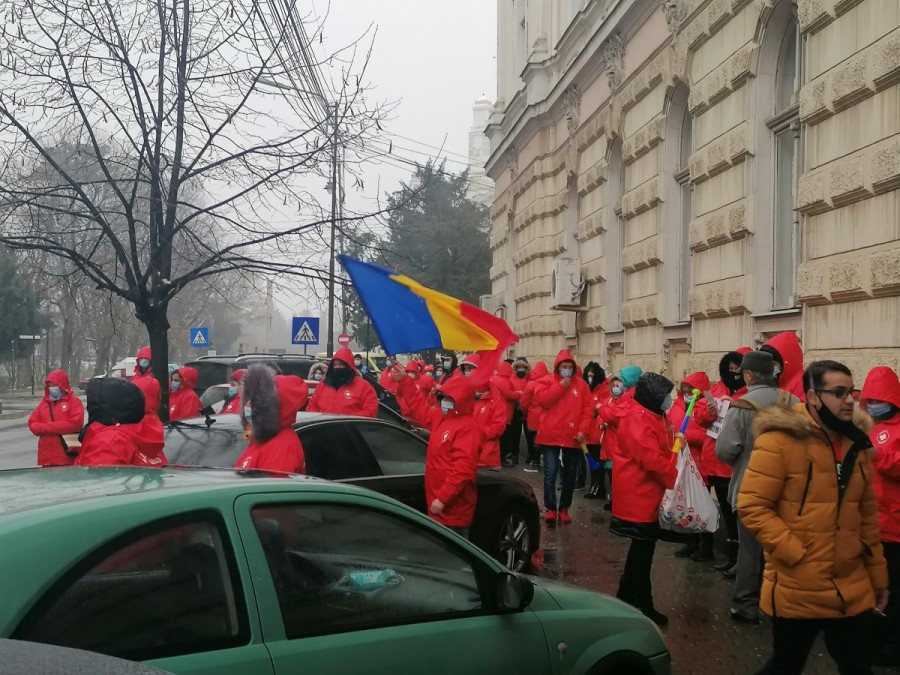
{"points": [[845, 640], [720, 485], [509, 441], [634, 584], [534, 453], [887, 628]]}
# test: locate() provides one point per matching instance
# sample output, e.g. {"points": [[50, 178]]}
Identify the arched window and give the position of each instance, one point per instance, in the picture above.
{"points": [[677, 207]]}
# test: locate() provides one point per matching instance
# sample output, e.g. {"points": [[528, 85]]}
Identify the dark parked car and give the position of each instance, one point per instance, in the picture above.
{"points": [[380, 456], [214, 370]]}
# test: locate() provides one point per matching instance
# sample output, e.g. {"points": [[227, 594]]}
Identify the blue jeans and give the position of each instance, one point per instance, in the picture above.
{"points": [[552, 465]]}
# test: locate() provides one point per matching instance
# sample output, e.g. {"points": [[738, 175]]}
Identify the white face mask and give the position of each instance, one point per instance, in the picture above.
{"points": [[687, 397], [467, 372], [618, 390], [446, 406], [357, 363], [318, 377], [412, 376], [247, 412]]}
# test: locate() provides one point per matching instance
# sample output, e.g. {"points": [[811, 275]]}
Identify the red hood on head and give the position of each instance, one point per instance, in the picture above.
{"points": [[58, 378], [143, 353], [189, 377], [462, 391], [788, 345], [429, 368], [504, 370], [346, 356], [882, 384], [564, 355], [238, 375], [698, 380], [413, 367], [540, 370], [292, 395], [471, 359]]}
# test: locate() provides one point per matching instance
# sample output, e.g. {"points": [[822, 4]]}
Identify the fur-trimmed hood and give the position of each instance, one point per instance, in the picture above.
{"points": [[521, 363], [797, 421], [318, 368], [274, 400]]}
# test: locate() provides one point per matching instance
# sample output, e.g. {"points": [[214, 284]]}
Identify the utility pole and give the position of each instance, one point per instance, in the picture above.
{"points": [[269, 285], [334, 205]]}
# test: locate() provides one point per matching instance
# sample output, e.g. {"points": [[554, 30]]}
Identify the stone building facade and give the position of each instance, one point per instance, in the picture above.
{"points": [[718, 170]]}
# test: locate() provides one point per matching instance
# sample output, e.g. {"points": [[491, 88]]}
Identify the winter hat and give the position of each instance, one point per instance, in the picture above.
{"points": [[471, 360], [651, 390], [112, 401], [260, 392], [760, 362], [630, 375]]}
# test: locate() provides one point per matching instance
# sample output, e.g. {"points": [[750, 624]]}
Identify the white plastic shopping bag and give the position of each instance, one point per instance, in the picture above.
{"points": [[688, 506]]}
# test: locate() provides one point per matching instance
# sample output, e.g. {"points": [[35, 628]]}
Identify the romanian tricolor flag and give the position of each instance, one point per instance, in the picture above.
{"points": [[409, 317]]}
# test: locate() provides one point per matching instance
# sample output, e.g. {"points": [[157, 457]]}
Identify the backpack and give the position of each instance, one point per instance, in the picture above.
{"points": [[783, 401]]}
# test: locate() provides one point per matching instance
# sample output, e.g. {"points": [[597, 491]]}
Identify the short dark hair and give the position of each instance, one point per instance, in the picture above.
{"points": [[814, 376]]}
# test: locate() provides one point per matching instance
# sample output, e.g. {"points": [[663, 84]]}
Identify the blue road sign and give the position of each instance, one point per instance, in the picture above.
{"points": [[200, 337], [305, 330]]}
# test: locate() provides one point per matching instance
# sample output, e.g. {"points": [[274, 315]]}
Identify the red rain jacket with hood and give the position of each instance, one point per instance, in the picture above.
{"points": [[149, 434], [533, 412], [600, 395], [52, 419], [386, 378], [502, 385], [882, 385], [696, 431], [233, 405], [451, 462], [413, 372], [184, 402], [115, 412], [643, 463], [354, 398], [787, 345], [567, 411], [145, 381], [490, 413], [275, 400], [710, 464]]}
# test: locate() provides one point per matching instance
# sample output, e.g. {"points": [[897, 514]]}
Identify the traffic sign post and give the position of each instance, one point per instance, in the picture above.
{"points": [[344, 340], [305, 330], [200, 337]]}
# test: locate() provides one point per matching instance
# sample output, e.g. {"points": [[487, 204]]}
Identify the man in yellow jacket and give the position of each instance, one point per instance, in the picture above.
{"points": [[808, 498]]}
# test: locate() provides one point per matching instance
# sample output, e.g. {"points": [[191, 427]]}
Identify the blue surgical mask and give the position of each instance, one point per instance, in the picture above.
{"points": [[880, 411], [175, 385], [438, 374], [666, 403], [247, 412], [565, 372], [318, 377], [144, 363], [232, 392], [55, 393], [776, 370], [447, 363], [618, 390], [447, 406], [467, 373]]}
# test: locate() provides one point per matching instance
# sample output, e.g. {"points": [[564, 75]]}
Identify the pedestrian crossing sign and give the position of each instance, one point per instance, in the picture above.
{"points": [[305, 330], [200, 337]]}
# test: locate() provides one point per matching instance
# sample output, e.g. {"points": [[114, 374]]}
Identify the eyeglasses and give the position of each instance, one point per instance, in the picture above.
{"points": [[840, 392]]}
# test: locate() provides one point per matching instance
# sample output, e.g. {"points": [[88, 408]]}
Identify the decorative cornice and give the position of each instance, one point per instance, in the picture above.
{"points": [[676, 12], [612, 55], [571, 100]]}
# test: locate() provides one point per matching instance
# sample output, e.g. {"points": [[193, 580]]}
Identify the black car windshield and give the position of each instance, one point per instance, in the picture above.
{"points": [[199, 446]]}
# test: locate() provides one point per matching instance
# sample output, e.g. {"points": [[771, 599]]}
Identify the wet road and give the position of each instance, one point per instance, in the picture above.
{"points": [[701, 636], [18, 447]]}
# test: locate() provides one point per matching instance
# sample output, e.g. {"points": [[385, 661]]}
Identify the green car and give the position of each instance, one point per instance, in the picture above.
{"points": [[227, 572]]}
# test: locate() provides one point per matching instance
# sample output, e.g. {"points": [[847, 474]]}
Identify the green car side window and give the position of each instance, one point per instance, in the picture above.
{"points": [[165, 589], [341, 568]]}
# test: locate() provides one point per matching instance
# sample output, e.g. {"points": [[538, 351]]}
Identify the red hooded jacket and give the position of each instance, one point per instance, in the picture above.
{"points": [[503, 387], [282, 452], [145, 381], [695, 432], [233, 405], [882, 385], [149, 434], [490, 414], [386, 379], [413, 372], [609, 415], [451, 462], [567, 411], [600, 396], [52, 419], [710, 465], [533, 412], [356, 398], [643, 462], [788, 346], [113, 445], [184, 402]]}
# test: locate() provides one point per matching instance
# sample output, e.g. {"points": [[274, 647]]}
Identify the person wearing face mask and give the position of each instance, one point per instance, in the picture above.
{"points": [[808, 497], [145, 380], [733, 447], [385, 379], [509, 442], [318, 371], [880, 398], [489, 412], [449, 364], [413, 372], [788, 355], [645, 469], [361, 365], [183, 400], [565, 424], [533, 414], [271, 403], [58, 414], [451, 460], [233, 402], [344, 391], [595, 377], [622, 390]]}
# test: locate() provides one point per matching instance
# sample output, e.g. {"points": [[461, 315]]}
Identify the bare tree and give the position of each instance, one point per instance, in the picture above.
{"points": [[180, 105]]}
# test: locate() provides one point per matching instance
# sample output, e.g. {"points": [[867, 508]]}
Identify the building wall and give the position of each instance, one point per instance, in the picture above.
{"points": [[712, 198]]}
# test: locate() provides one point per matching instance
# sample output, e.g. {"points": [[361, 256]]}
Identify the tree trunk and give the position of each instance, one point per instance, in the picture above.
{"points": [[103, 346], [157, 324], [66, 343]]}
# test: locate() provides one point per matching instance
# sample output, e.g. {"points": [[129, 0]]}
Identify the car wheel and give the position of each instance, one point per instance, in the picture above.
{"points": [[512, 540], [622, 663]]}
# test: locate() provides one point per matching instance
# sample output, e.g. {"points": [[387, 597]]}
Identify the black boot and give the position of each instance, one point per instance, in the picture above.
{"points": [[690, 548], [705, 552], [730, 573], [596, 486], [731, 558]]}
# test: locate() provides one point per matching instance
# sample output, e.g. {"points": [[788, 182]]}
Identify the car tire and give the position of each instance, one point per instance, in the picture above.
{"points": [[512, 540], [622, 663]]}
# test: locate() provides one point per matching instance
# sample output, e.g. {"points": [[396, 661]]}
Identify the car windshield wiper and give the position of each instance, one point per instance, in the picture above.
{"points": [[189, 425]]}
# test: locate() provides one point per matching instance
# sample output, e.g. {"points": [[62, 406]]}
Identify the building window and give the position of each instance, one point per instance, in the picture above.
{"points": [[683, 177], [614, 238], [784, 126], [677, 208]]}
